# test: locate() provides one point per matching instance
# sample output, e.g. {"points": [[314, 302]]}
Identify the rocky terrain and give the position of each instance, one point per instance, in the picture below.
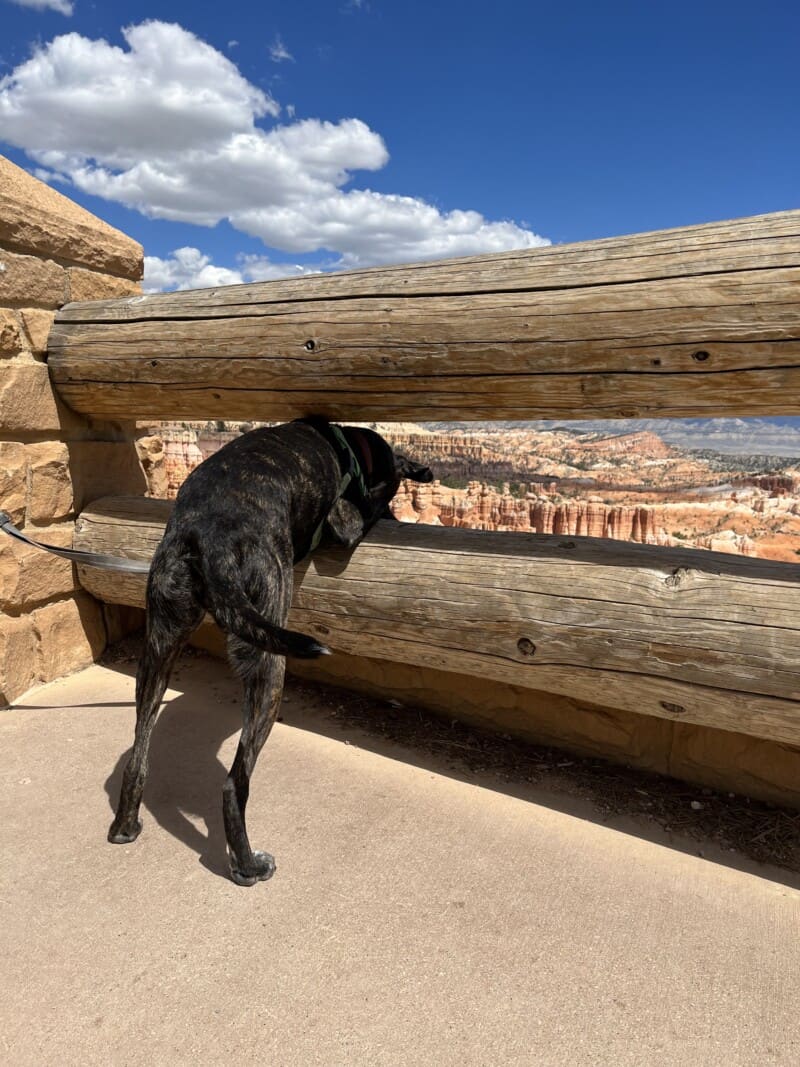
{"points": [[629, 486]]}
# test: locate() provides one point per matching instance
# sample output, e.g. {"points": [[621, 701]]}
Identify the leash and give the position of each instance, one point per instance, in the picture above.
{"points": [[91, 559]]}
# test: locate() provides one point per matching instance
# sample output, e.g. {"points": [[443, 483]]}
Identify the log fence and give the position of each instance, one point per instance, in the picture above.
{"points": [[703, 321]]}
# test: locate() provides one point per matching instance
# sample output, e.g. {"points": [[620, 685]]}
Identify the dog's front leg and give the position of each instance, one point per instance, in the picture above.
{"points": [[262, 674], [344, 524]]}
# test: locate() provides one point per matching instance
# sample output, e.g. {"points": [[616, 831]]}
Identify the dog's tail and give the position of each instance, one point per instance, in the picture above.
{"points": [[234, 613]]}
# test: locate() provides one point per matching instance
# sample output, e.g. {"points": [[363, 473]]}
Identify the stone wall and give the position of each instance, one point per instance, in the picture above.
{"points": [[52, 462]]}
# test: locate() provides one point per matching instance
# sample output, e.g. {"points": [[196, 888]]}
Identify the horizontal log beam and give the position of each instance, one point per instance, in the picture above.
{"points": [[693, 322], [691, 636]]}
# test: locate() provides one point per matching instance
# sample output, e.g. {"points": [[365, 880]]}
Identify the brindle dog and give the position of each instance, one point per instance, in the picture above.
{"points": [[242, 520]]}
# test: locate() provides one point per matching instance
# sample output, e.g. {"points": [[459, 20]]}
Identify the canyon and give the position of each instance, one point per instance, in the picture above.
{"points": [[629, 486]]}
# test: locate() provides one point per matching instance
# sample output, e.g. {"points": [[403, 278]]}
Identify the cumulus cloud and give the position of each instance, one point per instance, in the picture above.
{"points": [[77, 100], [63, 7], [170, 127], [368, 228], [186, 268], [189, 268]]}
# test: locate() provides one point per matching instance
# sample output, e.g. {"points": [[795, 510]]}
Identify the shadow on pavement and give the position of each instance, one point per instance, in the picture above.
{"points": [[184, 786]]}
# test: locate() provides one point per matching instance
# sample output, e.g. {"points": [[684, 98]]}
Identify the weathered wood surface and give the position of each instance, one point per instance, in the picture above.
{"points": [[691, 322], [691, 636]]}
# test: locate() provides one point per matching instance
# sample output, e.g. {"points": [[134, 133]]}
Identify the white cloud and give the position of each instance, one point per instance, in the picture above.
{"points": [[169, 126], [262, 269], [63, 7], [368, 228], [189, 268], [169, 95], [278, 52]]}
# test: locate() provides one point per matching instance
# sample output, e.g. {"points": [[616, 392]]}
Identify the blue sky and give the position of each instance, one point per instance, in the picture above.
{"points": [[285, 137]]}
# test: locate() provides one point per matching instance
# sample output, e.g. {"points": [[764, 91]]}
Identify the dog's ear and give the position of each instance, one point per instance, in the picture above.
{"points": [[407, 468]]}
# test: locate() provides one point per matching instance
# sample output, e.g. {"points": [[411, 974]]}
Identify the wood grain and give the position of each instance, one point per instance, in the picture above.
{"points": [[686, 635], [693, 322]]}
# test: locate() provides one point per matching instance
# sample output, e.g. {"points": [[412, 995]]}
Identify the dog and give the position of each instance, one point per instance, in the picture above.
{"points": [[242, 519]]}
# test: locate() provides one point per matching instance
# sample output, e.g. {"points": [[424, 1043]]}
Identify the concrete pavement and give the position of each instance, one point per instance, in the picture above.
{"points": [[417, 916]]}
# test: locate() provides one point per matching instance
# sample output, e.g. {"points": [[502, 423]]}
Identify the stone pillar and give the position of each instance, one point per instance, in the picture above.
{"points": [[52, 462]]}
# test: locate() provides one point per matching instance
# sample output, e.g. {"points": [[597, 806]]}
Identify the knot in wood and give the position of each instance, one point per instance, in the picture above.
{"points": [[673, 709], [678, 577], [526, 647]]}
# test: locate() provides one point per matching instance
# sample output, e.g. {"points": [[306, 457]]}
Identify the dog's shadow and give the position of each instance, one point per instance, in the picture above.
{"points": [[186, 775]]}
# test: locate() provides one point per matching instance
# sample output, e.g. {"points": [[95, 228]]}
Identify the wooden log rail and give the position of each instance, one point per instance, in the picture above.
{"points": [[700, 321], [691, 636]]}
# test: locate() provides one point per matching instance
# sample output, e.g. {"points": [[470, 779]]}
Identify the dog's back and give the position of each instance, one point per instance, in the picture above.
{"points": [[241, 520]]}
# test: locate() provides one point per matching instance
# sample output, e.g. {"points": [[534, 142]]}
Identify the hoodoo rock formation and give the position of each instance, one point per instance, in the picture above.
{"points": [[481, 507], [652, 493]]}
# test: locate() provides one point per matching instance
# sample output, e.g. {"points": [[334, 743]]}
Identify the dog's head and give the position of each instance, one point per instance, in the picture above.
{"points": [[365, 501], [382, 467]]}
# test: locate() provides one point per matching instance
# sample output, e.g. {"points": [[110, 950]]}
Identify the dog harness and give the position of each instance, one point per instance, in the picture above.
{"points": [[352, 478]]}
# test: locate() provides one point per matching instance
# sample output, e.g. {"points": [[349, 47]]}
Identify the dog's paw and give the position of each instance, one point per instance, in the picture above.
{"points": [[260, 869], [123, 835]]}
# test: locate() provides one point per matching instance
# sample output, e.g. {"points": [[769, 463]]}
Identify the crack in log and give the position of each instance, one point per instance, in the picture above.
{"points": [[466, 292], [337, 631], [66, 380]]}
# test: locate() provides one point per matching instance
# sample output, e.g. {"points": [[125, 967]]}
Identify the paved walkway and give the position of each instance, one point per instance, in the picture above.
{"points": [[415, 917]]}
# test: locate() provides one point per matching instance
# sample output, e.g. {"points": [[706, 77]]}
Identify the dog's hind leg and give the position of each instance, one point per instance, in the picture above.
{"points": [[167, 633], [262, 674]]}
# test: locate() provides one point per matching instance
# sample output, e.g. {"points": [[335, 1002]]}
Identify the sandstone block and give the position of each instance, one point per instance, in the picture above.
{"points": [[34, 217], [37, 324], [28, 402], [27, 280], [50, 484], [11, 342], [92, 285], [30, 576], [104, 468], [13, 479], [71, 635], [18, 660]]}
